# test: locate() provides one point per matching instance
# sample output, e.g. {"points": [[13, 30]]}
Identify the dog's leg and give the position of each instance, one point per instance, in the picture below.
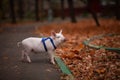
{"points": [[27, 56], [23, 55], [51, 53]]}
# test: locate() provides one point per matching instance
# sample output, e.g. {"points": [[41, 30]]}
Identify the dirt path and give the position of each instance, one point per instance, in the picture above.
{"points": [[10, 66]]}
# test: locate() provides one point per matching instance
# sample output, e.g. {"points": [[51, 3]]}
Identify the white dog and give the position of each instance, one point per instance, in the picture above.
{"points": [[48, 44]]}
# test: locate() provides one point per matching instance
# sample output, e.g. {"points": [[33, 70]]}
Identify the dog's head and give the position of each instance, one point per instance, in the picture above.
{"points": [[58, 36]]}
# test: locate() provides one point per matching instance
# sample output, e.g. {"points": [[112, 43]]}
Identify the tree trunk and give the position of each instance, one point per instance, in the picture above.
{"points": [[36, 10], [117, 10], [2, 12], [95, 18], [12, 11], [41, 9], [72, 12], [50, 11], [20, 9], [62, 9], [90, 8]]}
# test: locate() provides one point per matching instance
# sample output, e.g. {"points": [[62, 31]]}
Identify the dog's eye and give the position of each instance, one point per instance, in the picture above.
{"points": [[58, 37]]}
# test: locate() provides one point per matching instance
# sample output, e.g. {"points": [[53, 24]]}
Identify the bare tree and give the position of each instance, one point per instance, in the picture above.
{"points": [[117, 10], [90, 9], [89, 4], [20, 9], [62, 9], [12, 11], [2, 12], [72, 12], [50, 11], [36, 10]]}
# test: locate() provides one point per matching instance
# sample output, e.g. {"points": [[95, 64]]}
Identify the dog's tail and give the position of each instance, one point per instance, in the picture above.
{"points": [[19, 44]]}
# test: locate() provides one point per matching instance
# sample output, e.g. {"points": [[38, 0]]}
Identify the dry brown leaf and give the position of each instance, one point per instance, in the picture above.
{"points": [[84, 61]]}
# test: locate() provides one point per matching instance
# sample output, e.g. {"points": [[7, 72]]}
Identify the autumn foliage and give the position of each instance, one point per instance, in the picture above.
{"points": [[84, 62]]}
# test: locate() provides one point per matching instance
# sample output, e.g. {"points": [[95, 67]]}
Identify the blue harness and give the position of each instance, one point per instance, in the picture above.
{"points": [[43, 41]]}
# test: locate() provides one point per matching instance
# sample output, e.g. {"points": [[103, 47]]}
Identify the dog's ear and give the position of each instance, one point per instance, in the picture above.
{"points": [[53, 33], [60, 31]]}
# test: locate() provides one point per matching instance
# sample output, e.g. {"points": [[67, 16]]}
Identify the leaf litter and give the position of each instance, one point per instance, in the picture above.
{"points": [[86, 63]]}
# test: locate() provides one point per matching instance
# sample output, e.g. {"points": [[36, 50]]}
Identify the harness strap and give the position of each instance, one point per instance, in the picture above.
{"points": [[51, 40]]}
